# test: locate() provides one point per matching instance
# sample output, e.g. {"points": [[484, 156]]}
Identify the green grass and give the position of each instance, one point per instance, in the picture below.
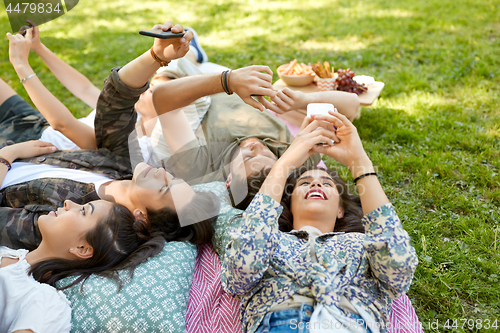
{"points": [[434, 133]]}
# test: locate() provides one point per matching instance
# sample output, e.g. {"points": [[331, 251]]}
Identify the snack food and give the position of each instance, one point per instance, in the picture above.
{"points": [[295, 68], [346, 82], [344, 79]]}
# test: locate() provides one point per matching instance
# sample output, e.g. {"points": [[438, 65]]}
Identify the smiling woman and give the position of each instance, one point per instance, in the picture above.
{"points": [[98, 237], [319, 264]]}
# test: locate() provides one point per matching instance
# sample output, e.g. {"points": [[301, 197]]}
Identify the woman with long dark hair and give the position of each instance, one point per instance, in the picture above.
{"points": [[326, 263], [35, 185], [77, 240]]}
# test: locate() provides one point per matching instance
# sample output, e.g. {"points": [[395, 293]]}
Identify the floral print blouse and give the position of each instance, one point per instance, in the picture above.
{"points": [[266, 266]]}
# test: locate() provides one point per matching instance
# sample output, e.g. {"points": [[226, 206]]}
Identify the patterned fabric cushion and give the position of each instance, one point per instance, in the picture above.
{"points": [[155, 300], [228, 216]]}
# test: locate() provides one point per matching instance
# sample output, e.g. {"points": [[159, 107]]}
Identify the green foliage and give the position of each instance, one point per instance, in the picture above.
{"points": [[434, 133]]}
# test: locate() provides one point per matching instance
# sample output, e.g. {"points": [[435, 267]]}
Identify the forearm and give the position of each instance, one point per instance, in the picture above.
{"points": [[274, 184], [136, 73], [178, 93], [176, 129], [50, 107], [8, 154], [252, 245], [58, 116], [387, 245], [370, 191], [72, 79]]}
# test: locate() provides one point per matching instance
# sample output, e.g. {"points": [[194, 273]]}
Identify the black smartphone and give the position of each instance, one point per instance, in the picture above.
{"points": [[158, 33]]}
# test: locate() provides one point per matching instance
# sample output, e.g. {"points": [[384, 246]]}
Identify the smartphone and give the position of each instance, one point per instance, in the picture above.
{"points": [[320, 109], [158, 33]]}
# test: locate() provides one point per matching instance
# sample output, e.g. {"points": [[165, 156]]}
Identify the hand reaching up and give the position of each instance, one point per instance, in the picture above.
{"points": [[172, 48], [286, 100], [252, 80], [349, 151]]}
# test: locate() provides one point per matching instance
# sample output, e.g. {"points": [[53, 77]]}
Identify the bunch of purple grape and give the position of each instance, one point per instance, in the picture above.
{"points": [[345, 82]]}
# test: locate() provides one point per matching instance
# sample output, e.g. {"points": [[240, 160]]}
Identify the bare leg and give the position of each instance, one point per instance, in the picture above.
{"points": [[5, 91]]}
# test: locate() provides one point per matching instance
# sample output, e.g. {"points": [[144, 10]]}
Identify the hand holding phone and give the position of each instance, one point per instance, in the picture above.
{"points": [[321, 109], [159, 33]]}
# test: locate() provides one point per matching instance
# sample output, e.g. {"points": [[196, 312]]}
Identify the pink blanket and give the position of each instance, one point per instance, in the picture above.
{"points": [[212, 310]]}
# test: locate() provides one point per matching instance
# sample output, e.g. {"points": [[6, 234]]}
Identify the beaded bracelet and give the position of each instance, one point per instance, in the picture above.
{"points": [[6, 162], [364, 175], [27, 77]]}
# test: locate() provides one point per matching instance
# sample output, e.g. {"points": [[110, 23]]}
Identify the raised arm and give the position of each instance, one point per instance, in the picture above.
{"points": [[288, 100], [247, 81], [350, 152], [136, 73], [170, 97], [115, 114], [72, 79], [58, 116]]}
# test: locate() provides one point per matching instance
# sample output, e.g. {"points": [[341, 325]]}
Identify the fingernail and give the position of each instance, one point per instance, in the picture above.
{"points": [[183, 40], [54, 148]]}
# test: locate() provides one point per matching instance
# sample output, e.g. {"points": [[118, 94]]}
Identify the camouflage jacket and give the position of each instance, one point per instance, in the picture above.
{"points": [[21, 204]]}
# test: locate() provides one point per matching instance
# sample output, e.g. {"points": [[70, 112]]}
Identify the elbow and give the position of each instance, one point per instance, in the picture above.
{"points": [[58, 126], [353, 107], [160, 98]]}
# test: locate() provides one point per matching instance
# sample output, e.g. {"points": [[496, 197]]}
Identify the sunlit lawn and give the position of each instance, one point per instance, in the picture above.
{"points": [[434, 133]]}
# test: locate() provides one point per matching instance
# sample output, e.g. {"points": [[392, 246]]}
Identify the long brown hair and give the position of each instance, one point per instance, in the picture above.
{"points": [[350, 222], [119, 241]]}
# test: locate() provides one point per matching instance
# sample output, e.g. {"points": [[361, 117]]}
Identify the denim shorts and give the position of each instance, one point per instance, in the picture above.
{"points": [[293, 320]]}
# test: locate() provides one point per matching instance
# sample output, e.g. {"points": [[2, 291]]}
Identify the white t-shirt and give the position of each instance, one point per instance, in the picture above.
{"points": [[61, 141], [26, 304], [23, 172]]}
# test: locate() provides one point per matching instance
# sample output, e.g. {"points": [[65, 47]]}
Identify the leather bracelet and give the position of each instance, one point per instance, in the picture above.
{"points": [[222, 81], [364, 175], [225, 81], [162, 63], [27, 77], [6, 162], [228, 78]]}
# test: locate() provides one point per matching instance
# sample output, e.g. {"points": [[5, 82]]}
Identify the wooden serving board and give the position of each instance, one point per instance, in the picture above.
{"points": [[365, 99]]}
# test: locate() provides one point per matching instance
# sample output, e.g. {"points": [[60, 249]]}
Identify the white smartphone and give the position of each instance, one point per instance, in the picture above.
{"points": [[320, 109]]}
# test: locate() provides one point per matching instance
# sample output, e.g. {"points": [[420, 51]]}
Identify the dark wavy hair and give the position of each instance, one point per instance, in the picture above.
{"points": [[350, 222], [198, 218], [251, 184], [119, 241]]}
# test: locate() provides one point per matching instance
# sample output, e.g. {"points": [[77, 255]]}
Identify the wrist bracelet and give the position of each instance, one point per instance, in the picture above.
{"points": [[27, 77], [228, 75], [225, 81], [364, 175], [162, 63], [6, 162]]}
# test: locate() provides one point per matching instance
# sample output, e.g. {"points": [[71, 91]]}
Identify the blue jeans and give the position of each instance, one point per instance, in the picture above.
{"points": [[293, 320]]}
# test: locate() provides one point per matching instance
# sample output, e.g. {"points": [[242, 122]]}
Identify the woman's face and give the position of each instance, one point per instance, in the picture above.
{"points": [[154, 189], [67, 228], [315, 196]]}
